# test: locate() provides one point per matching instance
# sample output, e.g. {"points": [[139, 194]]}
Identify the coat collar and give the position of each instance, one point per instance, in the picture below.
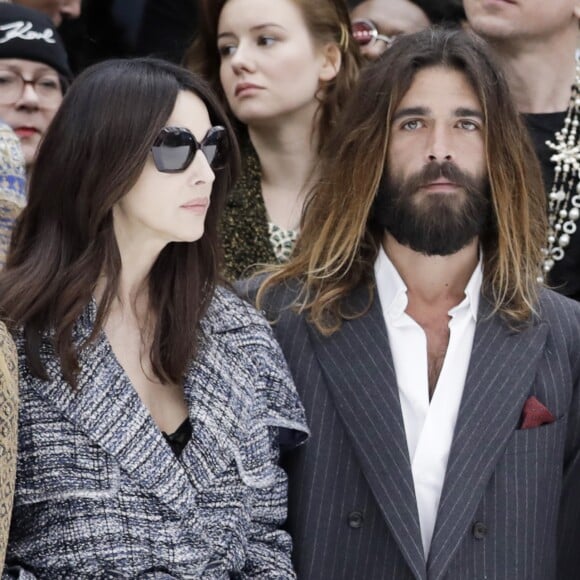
{"points": [[106, 408]]}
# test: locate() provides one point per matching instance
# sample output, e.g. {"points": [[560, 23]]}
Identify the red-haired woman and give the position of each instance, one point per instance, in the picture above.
{"points": [[284, 68]]}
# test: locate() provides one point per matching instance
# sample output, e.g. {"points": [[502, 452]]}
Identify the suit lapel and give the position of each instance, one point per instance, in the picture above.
{"points": [[501, 372], [358, 367]]}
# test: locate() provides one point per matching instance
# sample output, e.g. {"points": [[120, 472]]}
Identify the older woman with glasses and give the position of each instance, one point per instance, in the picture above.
{"points": [[154, 403], [34, 74]]}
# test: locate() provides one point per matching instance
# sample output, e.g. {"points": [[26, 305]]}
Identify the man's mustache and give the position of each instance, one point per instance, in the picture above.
{"points": [[435, 170]]}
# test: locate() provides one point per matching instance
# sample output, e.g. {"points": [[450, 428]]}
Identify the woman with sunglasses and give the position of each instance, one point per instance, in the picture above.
{"points": [[284, 69], [153, 401]]}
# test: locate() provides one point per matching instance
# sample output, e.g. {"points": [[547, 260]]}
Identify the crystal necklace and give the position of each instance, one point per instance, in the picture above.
{"points": [[563, 207]]}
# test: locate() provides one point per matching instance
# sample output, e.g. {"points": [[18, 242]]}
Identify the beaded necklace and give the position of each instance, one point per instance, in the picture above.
{"points": [[563, 207]]}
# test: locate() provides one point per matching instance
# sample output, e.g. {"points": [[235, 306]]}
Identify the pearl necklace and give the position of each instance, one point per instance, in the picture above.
{"points": [[564, 208]]}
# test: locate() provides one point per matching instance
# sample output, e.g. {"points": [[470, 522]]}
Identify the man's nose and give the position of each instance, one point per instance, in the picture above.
{"points": [[440, 145]]}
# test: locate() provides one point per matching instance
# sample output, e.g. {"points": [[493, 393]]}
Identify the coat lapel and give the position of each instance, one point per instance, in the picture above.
{"points": [[358, 367], [107, 410], [501, 372]]}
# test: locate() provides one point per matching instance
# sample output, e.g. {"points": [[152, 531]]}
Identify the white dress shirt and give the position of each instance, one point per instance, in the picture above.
{"points": [[429, 425]]}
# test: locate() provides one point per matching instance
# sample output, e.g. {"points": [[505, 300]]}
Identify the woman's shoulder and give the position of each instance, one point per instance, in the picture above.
{"points": [[8, 358], [8, 430], [8, 380], [230, 312], [251, 346]]}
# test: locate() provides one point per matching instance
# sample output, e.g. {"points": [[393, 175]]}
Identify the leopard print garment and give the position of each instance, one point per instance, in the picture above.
{"points": [[8, 429]]}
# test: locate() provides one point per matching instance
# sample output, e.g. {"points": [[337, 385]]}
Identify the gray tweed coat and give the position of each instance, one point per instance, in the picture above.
{"points": [[100, 494]]}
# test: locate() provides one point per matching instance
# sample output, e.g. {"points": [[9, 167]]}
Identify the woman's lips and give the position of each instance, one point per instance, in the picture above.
{"points": [[24, 132], [196, 205], [246, 88]]}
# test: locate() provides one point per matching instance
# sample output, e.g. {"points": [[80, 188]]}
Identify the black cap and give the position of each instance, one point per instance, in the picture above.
{"points": [[30, 35]]}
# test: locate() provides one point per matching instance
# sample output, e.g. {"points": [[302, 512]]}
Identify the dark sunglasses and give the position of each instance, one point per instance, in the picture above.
{"points": [[175, 147], [365, 32]]}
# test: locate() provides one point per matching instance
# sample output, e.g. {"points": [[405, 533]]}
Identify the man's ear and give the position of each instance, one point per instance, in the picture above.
{"points": [[331, 61]]}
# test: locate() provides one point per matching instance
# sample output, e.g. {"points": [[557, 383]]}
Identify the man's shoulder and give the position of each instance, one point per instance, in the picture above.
{"points": [[555, 308], [562, 316], [275, 299]]}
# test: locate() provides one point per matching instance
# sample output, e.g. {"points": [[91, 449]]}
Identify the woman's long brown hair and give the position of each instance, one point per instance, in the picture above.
{"points": [[91, 156], [338, 243]]}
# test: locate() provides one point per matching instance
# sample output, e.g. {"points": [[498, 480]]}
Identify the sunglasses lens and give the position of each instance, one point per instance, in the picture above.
{"points": [[175, 148], [363, 31], [172, 150], [214, 147]]}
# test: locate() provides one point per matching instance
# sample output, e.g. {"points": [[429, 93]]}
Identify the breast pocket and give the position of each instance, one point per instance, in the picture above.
{"points": [[57, 461], [546, 440]]}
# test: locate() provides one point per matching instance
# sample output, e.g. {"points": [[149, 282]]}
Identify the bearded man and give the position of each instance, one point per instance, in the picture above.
{"points": [[441, 379]]}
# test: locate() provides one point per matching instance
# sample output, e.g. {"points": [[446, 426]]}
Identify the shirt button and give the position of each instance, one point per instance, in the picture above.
{"points": [[355, 520], [479, 530]]}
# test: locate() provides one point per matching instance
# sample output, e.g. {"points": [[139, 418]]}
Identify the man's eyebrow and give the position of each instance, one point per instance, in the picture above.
{"points": [[425, 111], [254, 28], [411, 111], [467, 112]]}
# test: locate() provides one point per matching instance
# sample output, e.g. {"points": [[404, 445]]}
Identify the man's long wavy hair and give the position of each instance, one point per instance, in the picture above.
{"points": [[91, 156], [327, 20], [338, 243]]}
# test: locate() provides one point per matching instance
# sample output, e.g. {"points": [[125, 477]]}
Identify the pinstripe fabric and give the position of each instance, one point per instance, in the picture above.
{"points": [[508, 480]]}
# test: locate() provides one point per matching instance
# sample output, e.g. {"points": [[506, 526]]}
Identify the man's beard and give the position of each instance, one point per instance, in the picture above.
{"points": [[435, 224]]}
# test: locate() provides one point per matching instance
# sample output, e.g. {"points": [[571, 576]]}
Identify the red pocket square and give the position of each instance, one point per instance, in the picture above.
{"points": [[535, 414]]}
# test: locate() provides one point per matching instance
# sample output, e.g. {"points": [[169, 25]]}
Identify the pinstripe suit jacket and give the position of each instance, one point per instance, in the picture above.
{"points": [[507, 492]]}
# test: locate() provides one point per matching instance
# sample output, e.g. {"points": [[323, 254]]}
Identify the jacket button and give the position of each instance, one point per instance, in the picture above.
{"points": [[355, 520], [479, 530]]}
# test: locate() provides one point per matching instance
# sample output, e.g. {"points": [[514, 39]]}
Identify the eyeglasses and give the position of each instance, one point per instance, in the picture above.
{"points": [[365, 33], [175, 147], [12, 84]]}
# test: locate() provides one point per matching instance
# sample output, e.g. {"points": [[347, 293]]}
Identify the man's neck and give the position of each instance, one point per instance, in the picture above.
{"points": [[436, 282], [540, 74]]}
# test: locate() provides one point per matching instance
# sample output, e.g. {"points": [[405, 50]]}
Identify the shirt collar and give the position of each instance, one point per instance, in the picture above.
{"points": [[473, 290], [392, 291]]}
